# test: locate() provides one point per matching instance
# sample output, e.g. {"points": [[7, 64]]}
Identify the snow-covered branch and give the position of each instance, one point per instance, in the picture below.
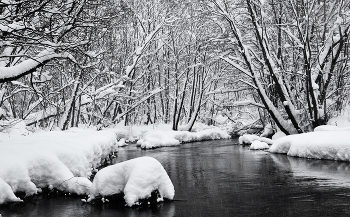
{"points": [[29, 65]]}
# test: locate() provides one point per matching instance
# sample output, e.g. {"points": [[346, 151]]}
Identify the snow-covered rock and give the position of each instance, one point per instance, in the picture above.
{"points": [[136, 178], [122, 142], [248, 139], [257, 145], [331, 145], [61, 159]]}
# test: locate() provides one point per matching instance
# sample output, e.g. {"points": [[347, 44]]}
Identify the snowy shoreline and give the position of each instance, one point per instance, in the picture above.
{"points": [[326, 145], [64, 160]]}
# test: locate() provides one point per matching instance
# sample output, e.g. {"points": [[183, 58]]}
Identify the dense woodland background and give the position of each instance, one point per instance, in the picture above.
{"points": [[102, 62]]}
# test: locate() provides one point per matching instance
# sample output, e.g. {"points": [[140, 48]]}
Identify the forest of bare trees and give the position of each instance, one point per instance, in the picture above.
{"points": [[96, 62]]}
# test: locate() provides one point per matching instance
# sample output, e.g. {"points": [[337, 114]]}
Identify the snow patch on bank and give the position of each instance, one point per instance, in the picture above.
{"points": [[136, 178], [160, 138], [63, 160], [330, 145], [134, 133]]}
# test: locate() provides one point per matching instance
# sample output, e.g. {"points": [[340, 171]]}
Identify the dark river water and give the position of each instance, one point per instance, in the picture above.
{"points": [[221, 178]]}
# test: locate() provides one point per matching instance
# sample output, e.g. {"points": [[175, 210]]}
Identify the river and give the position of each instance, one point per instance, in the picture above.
{"points": [[221, 178]]}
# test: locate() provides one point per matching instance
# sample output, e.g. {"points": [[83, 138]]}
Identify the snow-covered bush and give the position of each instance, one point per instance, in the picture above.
{"points": [[136, 178]]}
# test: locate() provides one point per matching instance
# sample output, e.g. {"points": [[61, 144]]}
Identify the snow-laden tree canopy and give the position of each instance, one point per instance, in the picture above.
{"points": [[65, 63]]}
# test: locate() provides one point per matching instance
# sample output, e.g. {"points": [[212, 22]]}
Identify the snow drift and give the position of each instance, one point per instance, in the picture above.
{"points": [[136, 178], [330, 145], [61, 160]]}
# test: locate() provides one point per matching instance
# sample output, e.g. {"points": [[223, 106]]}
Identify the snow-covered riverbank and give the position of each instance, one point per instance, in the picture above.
{"points": [[65, 159], [330, 145], [62, 160]]}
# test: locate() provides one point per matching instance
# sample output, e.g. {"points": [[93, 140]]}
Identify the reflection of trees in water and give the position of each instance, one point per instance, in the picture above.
{"points": [[327, 172], [324, 171], [272, 173]]}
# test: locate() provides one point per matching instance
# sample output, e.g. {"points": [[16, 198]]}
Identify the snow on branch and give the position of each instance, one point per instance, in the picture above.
{"points": [[140, 50], [29, 65], [237, 66]]}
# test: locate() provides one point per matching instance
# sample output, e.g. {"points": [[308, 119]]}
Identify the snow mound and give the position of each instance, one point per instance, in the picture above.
{"points": [[122, 143], [159, 138], [331, 128], [248, 139], [330, 145], [257, 145], [136, 178], [61, 159], [278, 134]]}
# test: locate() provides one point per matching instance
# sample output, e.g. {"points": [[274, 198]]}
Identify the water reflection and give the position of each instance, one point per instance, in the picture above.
{"points": [[325, 172], [219, 178]]}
